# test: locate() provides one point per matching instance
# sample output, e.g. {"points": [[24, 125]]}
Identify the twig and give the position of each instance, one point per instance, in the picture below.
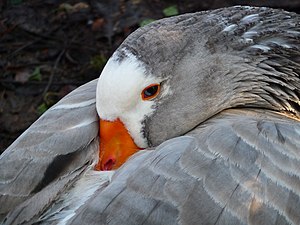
{"points": [[53, 71], [33, 82], [50, 37], [23, 47], [54, 68]]}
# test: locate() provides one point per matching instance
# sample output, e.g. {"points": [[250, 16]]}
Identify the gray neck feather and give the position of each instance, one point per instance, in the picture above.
{"points": [[235, 57], [273, 82]]}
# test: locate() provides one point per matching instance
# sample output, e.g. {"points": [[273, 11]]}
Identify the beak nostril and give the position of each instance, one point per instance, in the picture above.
{"points": [[108, 165]]}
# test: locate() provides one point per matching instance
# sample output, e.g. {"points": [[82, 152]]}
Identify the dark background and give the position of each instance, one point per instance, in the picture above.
{"points": [[50, 47]]}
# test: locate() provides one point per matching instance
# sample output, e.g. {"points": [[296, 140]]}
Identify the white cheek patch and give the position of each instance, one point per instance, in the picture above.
{"points": [[133, 121], [119, 94]]}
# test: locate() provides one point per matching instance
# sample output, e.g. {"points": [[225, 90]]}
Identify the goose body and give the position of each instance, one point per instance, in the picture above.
{"points": [[211, 102]]}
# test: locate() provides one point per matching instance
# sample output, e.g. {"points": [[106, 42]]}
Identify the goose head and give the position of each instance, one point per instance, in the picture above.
{"points": [[172, 75]]}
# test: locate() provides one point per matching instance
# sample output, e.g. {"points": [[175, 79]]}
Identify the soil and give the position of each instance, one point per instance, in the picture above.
{"points": [[50, 47]]}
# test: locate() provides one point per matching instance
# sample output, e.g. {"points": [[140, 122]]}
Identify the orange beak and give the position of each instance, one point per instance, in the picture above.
{"points": [[116, 145]]}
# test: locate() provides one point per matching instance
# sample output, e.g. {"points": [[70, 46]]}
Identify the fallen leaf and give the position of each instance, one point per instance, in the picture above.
{"points": [[145, 22], [98, 24], [22, 76], [171, 11], [98, 61], [80, 5], [42, 108], [73, 8], [36, 74]]}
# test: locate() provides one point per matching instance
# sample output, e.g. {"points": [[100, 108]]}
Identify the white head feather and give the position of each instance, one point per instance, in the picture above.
{"points": [[119, 94]]}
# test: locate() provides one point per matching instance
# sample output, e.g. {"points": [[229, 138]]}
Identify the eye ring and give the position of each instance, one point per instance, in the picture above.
{"points": [[150, 92]]}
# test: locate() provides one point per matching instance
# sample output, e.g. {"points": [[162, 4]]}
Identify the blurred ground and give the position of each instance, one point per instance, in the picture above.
{"points": [[50, 47]]}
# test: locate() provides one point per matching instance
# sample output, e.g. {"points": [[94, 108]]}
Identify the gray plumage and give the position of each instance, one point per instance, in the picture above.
{"points": [[235, 81], [62, 141], [244, 57], [233, 173]]}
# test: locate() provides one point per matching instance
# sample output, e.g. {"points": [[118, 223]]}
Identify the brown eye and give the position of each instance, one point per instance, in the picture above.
{"points": [[150, 91]]}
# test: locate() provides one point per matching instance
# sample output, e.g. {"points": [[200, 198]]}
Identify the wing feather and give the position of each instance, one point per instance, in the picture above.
{"points": [[56, 144], [240, 167]]}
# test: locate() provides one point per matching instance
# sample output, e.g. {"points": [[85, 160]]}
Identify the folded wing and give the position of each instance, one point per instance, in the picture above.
{"points": [[60, 142], [241, 167]]}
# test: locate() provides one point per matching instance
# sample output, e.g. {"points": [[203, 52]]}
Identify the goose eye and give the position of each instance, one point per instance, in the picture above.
{"points": [[150, 91]]}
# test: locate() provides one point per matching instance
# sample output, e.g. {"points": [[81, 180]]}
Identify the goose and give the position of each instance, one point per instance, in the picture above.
{"points": [[195, 119]]}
